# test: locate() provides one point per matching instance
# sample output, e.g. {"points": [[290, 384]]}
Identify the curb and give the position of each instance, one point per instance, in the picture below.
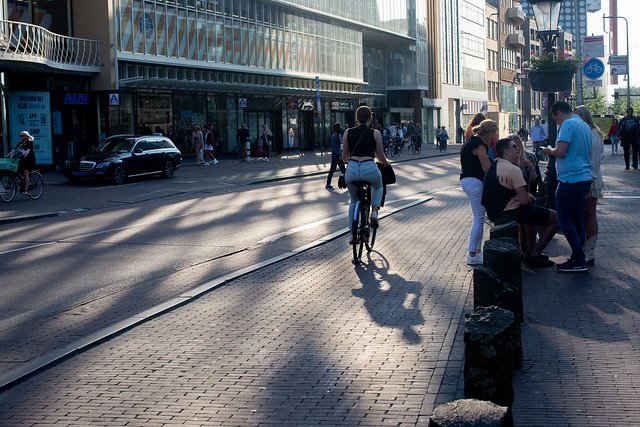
{"points": [[27, 217]]}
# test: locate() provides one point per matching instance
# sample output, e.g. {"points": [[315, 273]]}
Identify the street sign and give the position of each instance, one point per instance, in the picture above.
{"points": [[114, 99], [618, 65], [593, 83], [565, 94], [593, 47], [242, 102], [593, 69]]}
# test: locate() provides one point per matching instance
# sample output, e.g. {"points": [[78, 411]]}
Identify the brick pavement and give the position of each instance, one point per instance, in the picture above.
{"points": [[314, 340], [311, 340], [581, 332]]}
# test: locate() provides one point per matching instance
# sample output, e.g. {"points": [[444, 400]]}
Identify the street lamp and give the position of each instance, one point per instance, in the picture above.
{"points": [[546, 14]]}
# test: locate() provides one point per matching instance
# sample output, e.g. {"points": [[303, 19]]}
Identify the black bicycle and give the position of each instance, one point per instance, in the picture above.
{"points": [[10, 181], [362, 234]]}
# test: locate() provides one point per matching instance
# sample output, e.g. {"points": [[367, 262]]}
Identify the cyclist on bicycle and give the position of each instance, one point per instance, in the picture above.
{"points": [[23, 152], [361, 145]]}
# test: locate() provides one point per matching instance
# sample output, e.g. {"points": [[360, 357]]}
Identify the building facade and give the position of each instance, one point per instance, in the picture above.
{"points": [[169, 65]]}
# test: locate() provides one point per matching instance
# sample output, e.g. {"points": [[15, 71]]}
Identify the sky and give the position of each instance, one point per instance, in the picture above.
{"points": [[629, 9]]}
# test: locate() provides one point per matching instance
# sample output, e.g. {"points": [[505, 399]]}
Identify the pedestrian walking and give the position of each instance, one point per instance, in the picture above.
{"points": [[538, 136], [573, 168], [336, 154], [198, 144], [265, 142], [474, 163], [444, 139], [629, 134], [243, 140], [597, 185], [613, 136]]}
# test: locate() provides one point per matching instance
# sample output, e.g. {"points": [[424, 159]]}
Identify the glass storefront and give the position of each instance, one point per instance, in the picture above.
{"points": [[240, 32]]}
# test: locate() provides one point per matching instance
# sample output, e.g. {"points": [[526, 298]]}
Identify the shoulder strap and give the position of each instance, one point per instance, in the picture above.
{"points": [[358, 142]]}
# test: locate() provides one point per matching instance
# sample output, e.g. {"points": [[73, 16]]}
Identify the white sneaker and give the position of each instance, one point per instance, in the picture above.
{"points": [[475, 260], [215, 161]]}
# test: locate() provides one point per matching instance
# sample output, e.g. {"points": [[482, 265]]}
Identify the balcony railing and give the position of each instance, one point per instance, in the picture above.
{"points": [[22, 42]]}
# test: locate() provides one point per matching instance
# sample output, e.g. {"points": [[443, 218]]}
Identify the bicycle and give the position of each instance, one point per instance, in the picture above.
{"points": [[10, 181], [362, 234]]}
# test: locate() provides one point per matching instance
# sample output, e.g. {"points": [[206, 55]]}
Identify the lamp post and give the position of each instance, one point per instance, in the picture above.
{"points": [[626, 23], [546, 14]]}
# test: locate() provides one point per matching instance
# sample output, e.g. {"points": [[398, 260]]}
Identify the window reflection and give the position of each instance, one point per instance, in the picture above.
{"points": [[242, 32]]}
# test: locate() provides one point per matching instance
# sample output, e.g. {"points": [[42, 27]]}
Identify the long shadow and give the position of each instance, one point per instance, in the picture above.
{"points": [[390, 300]]}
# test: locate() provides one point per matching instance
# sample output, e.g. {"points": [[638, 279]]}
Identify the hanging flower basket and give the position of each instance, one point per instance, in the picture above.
{"points": [[551, 80]]}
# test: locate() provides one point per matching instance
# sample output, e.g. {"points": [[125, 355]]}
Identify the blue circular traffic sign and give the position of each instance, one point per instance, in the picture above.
{"points": [[593, 68]]}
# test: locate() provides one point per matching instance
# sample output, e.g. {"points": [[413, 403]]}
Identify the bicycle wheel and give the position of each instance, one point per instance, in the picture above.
{"points": [[356, 233], [8, 187], [36, 185]]}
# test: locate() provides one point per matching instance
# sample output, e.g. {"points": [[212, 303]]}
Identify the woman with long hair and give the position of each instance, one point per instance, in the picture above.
{"points": [[475, 121], [474, 163], [597, 184]]}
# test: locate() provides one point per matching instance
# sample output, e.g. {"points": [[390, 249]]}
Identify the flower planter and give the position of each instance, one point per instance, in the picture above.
{"points": [[550, 80]]}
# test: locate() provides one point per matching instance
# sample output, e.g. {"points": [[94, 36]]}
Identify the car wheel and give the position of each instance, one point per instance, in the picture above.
{"points": [[168, 170], [119, 175]]}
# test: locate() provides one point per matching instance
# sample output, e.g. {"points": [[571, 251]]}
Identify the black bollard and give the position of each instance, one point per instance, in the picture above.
{"points": [[502, 255], [489, 289], [490, 338]]}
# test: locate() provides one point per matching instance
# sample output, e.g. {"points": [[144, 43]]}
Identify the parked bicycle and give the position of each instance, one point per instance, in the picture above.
{"points": [[10, 181], [362, 234]]}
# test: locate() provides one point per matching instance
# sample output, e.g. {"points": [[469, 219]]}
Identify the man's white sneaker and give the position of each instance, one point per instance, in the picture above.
{"points": [[475, 260]]}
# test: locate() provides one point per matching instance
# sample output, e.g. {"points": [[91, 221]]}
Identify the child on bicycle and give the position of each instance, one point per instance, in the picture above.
{"points": [[361, 145], [23, 152]]}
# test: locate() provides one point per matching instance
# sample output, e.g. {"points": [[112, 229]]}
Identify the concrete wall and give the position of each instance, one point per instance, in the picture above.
{"points": [[93, 20]]}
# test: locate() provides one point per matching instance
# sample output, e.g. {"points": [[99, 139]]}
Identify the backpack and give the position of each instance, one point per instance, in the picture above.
{"points": [[495, 197]]}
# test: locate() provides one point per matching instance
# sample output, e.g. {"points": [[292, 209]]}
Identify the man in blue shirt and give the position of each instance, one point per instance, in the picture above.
{"points": [[573, 168]]}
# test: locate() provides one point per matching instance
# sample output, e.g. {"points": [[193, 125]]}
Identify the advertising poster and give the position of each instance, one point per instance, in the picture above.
{"points": [[31, 111]]}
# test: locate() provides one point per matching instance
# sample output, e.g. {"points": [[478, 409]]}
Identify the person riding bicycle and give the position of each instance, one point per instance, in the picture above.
{"points": [[23, 152], [361, 145]]}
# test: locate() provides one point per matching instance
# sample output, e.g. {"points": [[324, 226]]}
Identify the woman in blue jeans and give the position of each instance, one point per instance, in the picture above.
{"points": [[361, 145]]}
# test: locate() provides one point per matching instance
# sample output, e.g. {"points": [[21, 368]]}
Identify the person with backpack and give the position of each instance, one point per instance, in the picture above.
{"points": [[505, 193], [628, 134]]}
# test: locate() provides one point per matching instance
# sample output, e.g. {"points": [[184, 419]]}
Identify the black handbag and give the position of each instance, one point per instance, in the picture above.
{"points": [[388, 175]]}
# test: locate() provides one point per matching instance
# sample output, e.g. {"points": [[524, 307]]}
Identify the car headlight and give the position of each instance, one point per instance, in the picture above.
{"points": [[102, 165]]}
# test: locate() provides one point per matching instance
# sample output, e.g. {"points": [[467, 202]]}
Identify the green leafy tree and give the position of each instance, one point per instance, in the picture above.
{"points": [[620, 105], [597, 104]]}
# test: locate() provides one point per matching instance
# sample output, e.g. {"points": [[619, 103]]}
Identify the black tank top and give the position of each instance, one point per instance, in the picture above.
{"points": [[470, 163], [367, 145]]}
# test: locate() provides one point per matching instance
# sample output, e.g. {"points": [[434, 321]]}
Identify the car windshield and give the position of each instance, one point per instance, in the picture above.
{"points": [[115, 145]]}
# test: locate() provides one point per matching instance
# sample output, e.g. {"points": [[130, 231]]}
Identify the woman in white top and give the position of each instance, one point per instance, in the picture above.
{"points": [[198, 144], [597, 184]]}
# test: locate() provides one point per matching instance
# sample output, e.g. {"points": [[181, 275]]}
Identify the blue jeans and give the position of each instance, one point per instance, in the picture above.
{"points": [[366, 171], [570, 207]]}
